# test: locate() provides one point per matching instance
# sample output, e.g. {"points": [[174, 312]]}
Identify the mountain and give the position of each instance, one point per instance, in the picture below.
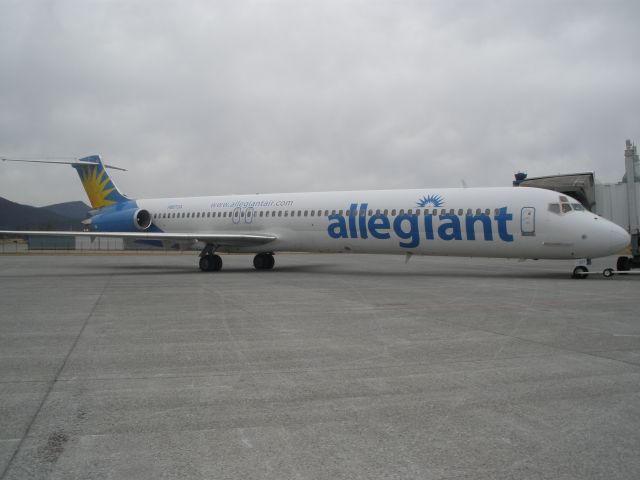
{"points": [[62, 216], [75, 210]]}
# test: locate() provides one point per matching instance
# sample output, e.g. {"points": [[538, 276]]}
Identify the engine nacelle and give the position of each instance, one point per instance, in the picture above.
{"points": [[123, 220], [142, 219]]}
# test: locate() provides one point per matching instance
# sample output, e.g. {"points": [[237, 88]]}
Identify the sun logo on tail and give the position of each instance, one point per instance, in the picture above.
{"points": [[431, 201], [97, 184]]}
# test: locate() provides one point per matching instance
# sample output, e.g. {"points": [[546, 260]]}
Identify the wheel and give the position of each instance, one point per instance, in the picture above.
{"points": [[623, 264], [216, 263], [263, 261], [607, 272], [205, 263], [580, 272], [210, 263]]}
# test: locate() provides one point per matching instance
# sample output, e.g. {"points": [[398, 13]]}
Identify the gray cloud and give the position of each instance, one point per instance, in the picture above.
{"points": [[242, 97]]}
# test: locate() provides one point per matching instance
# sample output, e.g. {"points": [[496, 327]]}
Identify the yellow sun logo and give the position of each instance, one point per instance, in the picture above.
{"points": [[97, 185]]}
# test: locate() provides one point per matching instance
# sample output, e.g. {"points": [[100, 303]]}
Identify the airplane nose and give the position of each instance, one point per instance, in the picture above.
{"points": [[619, 238]]}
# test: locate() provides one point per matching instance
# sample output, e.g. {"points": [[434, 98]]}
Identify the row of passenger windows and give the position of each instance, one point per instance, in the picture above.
{"points": [[319, 213]]}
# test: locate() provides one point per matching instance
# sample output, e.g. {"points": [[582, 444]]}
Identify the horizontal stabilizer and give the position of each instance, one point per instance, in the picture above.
{"points": [[72, 162]]}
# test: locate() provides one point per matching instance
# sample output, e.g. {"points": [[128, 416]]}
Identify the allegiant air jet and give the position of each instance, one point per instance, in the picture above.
{"points": [[523, 223]]}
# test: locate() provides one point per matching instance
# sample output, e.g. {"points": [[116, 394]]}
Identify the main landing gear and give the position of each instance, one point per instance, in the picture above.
{"points": [[211, 262], [263, 261]]}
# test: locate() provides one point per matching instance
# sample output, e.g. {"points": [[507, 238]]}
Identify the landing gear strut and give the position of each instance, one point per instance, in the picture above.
{"points": [[209, 261], [263, 261]]}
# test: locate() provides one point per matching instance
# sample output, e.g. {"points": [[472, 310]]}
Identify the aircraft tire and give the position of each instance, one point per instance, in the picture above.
{"points": [[205, 263], [263, 261], [210, 263], [216, 263], [579, 272]]}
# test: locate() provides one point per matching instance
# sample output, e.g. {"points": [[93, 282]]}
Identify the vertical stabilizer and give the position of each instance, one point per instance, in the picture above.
{"points": [[100, 189]]}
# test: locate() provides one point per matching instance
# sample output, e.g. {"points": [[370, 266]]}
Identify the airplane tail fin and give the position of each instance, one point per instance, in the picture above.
{"points": [[100, 189]]}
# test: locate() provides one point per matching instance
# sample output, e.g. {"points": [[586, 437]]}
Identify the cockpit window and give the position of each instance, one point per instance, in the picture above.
{"points": [[554, 208], [566, 208], [577, 207]]}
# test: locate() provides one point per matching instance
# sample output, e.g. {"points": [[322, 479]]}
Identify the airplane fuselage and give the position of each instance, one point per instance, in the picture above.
{"points": [[488, 222]]}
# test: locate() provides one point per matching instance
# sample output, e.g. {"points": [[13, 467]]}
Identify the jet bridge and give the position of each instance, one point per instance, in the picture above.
{"points": [[618, 202]]}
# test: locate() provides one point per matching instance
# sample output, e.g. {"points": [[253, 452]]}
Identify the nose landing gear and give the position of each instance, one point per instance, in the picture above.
{"points": [[580, 272]]}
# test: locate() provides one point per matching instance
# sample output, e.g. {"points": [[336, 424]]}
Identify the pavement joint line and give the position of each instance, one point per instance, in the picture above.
{"points": [[53, 382]]}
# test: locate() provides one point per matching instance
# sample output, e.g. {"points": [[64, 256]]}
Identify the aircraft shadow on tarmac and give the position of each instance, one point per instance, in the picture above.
{"points": [[319, 269]]}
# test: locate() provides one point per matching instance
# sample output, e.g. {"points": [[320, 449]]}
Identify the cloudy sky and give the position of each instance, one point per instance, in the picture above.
{"points": [[217, 97]]}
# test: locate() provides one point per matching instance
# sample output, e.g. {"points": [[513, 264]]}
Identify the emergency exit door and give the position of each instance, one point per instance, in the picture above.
{"points": [[528, 221]]}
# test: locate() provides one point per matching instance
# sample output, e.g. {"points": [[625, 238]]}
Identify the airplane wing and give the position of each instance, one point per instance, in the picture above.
{"points": [[220, 239]]}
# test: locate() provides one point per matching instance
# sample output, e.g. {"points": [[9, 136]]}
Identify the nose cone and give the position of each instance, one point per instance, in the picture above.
{"points": [[619, 239]]}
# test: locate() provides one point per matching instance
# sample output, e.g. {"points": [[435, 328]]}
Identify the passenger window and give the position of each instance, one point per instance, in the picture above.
{"points": [[378, 211], [426, 212], [578, 207], [417, 211], [313, 213], [460, 212], [386, 212], [306, 212], [478, 211], [347, 213], [299, 213], [554, 208], [451, 211], [469, 212], [339, 212], [435, 212], [279, 213], [370, 212], [410, 211], [566, 208], [487, 211], [286, 213], [333, 212], [393, 212]]}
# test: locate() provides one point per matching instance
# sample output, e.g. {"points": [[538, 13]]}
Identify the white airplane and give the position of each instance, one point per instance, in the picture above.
{"points": [[505, 222]]}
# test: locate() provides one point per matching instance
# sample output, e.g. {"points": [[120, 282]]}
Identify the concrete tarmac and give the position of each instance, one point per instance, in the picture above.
{"points": [[328, 367]]}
